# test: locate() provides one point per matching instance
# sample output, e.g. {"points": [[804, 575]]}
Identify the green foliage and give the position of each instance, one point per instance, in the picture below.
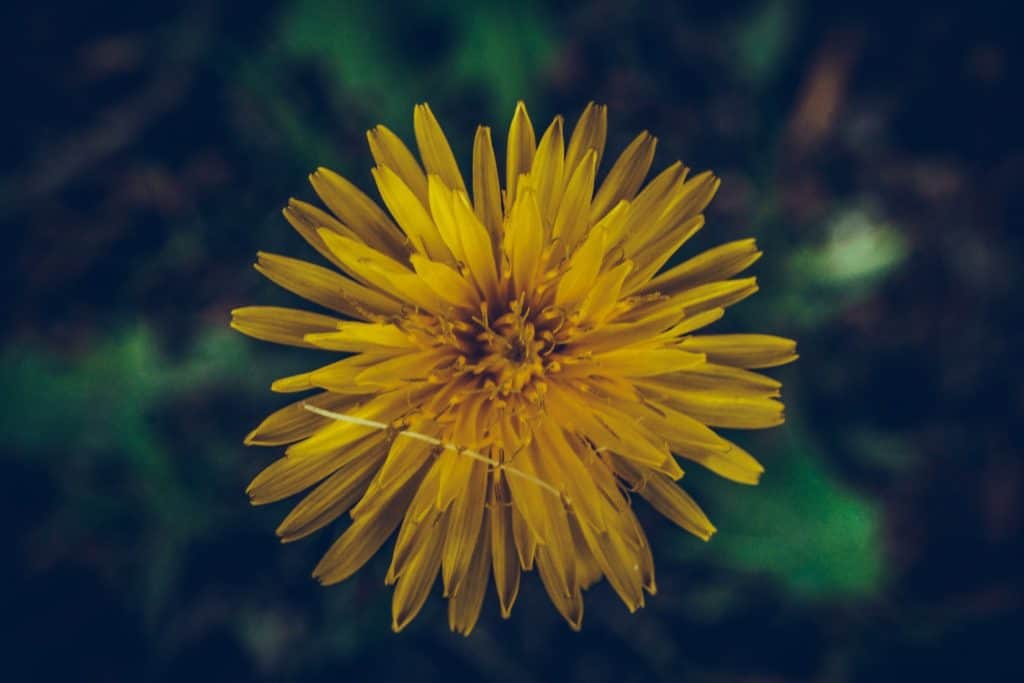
{"points": [[504, 50], [860, 250], [95, 422], [858, 253], [101, 398], [801, 525], [762, 41], [497, 48], [349, 41], [106, 397]]}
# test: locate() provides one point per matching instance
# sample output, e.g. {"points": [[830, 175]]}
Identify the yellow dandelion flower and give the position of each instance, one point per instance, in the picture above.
{"points": [[514, 363]]}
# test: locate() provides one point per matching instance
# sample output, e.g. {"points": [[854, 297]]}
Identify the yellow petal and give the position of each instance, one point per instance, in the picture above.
{"points": [[719, 263], [718, 409], [325, 287], [668, 498], [524, 242], [383, 407], [681, 202], [610, 336], [557, 537], [619, 564], [441, 211], [381, 272], [468, 242], [308, 220], [408, 367], [446, 283], [358, 212], [337, 378], [421, 519], [680, 430], [589, 134], [355, 337], [547, 171], [454, 470], [716, 295], [464, 606], [293, 383], [645, 559], [651, 204], [522, 145], [699, 299], [735, 464], [411, 214], [744, 350], [528, 498], [477, 248], [288, 476], [588, 571], [571, 474], [281, 325], [294, 422], [614, 223], [613, 387], [690, 323], [644, 362], [604, 294], [389, 150], [434, 148], [486, 185], [526, 540], [414, 585], [638, 443], [340, 377], [601, 474], [583, 269], [464, 526], [447, 394], [652, 247], [690, 439], [355, 257], [332, 498], [569, 605], [626, 176], [571, 408], [654, 256], [364, 537], [503, 548], [572, 220], [404, 458], [723, 379], [468, 429]]}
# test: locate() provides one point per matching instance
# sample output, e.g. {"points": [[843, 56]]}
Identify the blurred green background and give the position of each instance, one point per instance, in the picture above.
{"points": [[873, 149]]}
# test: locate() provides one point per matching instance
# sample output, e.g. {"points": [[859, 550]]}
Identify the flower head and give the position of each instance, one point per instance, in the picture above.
{"points": [[514, 363]]}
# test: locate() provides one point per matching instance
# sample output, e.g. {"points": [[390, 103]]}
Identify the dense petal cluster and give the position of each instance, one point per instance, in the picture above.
{"points": [[513, 363]]}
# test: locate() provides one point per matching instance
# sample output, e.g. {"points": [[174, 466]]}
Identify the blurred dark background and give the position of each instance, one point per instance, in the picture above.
{"points": [[875, 151]]}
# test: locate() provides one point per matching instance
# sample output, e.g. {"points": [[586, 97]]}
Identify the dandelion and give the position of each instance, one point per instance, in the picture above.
{"points": [[516, 366]]}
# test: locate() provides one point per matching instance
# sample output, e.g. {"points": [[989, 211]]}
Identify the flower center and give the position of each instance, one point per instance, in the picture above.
{"points": [[510, 351], [506, 354]]}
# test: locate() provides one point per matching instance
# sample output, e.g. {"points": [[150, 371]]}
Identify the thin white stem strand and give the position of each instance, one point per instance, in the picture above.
{"points": [[342, 417]]}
